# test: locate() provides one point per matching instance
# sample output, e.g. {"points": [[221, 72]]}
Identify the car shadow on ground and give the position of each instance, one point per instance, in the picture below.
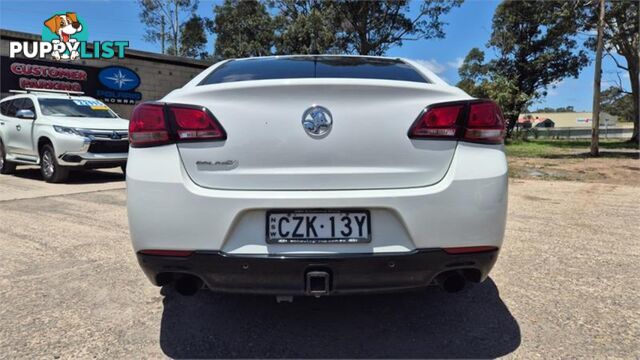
{"points": [[426, 324], [75, 176]]}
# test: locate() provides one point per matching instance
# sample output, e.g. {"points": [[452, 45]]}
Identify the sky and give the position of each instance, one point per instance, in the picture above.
{"points": [[468, 26]]}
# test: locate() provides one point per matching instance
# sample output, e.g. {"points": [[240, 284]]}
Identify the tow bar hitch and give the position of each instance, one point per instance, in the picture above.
{"points": [[318, 283]]}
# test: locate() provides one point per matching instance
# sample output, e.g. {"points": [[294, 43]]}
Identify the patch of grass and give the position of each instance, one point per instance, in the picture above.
{"points": [[553, 148], [604, 144], [522, 148]]}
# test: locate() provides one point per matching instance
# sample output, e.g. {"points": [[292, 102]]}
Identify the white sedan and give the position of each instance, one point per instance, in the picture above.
{"points": [[316, 175]]}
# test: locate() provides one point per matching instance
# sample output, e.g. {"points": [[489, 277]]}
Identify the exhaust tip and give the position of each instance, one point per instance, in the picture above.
{"points": [[188, 285], [452, 281]]}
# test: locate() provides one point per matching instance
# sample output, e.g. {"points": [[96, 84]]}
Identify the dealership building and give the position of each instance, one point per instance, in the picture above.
{"points": [[120, 83], [565, 119]]}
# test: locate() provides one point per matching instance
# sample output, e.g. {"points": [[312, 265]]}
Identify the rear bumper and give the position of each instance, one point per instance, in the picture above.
{"points": [[167, 210], [286, 275]]}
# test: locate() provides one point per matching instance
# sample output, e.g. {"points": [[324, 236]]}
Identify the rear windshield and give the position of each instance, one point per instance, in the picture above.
{"points": [[313, 67]]}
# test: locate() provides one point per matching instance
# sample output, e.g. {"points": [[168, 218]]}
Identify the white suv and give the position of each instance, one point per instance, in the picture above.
{"points": [[316, 175], [60, 131]]}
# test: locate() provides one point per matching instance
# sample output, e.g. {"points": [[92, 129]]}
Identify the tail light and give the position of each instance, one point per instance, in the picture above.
{"points": [[438, 122], [485, 123], [473, 120], [155, 124], [148, 126]]}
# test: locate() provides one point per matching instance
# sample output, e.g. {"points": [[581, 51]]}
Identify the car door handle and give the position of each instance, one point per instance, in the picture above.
{"points": [[18, 127], [1, 122]]}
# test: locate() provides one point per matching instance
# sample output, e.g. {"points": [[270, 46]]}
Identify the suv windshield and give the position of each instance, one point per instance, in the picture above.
{"points": [[75, 108]]}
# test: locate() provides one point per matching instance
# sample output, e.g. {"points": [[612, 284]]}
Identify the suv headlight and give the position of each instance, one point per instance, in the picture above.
{"points": [[67, 130]]}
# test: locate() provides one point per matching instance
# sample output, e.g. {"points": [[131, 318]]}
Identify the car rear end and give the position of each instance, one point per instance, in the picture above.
{"points": [[316, 175]]}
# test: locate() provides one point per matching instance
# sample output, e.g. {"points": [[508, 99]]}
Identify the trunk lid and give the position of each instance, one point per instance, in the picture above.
{"points": [[267, 147]]}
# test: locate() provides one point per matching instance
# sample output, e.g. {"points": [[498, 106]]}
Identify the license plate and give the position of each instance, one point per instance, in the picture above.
{"points": [[318, 226]]}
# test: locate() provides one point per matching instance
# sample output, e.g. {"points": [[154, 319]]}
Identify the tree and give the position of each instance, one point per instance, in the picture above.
{"points": [[243, 29], [597, 76], [372, 27], [554, 110], [162, 19], [621, 37], [545, 110], [536, 47], [306, 27], [474, 74], [478, 79], [565, 109], [193, 38], [315, 26], [618, 103]]}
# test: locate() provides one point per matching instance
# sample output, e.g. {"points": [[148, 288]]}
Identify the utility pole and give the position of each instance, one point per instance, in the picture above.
{"points": [[177, 32], [162, 33], [595, 125]]}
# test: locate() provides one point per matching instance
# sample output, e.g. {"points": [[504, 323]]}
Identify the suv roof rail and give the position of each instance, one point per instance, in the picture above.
{"points": [[34, 90]]}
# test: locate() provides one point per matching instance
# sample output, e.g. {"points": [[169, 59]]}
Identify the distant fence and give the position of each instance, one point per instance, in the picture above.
{"points": [[578, 133]]}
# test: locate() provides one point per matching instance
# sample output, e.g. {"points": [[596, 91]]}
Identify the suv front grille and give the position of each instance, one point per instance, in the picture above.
{"points": [[109, 146], [105, 134]]}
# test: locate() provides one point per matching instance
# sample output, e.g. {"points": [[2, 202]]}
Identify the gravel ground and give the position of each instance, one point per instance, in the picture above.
{"points": [[564, 286], [616, 167]]}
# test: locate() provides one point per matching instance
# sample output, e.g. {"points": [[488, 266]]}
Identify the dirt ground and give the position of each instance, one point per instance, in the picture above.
{"points": [[565, 286], [613, 167]]}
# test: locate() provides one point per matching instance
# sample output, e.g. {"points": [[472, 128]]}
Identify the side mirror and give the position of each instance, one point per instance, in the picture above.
{"points": [[25, 114]]}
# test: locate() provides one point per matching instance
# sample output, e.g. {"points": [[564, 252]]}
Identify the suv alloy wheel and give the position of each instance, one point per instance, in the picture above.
{"points": [[51, 171]]}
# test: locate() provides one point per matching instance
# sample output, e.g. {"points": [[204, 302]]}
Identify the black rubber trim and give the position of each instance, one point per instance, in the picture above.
{"points": [[285, 275]]}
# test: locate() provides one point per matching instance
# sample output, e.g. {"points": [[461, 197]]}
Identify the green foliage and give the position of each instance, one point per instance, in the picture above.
{"points": [[617, 102], [552, 110], [549, 148], [526, 148], [306, 27], [536, 47], [473, 69], [506, 92], [246, 28], [193, 38], [243, 29], [480, 80], [621, 26], [622, 37], [372, 27]]}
